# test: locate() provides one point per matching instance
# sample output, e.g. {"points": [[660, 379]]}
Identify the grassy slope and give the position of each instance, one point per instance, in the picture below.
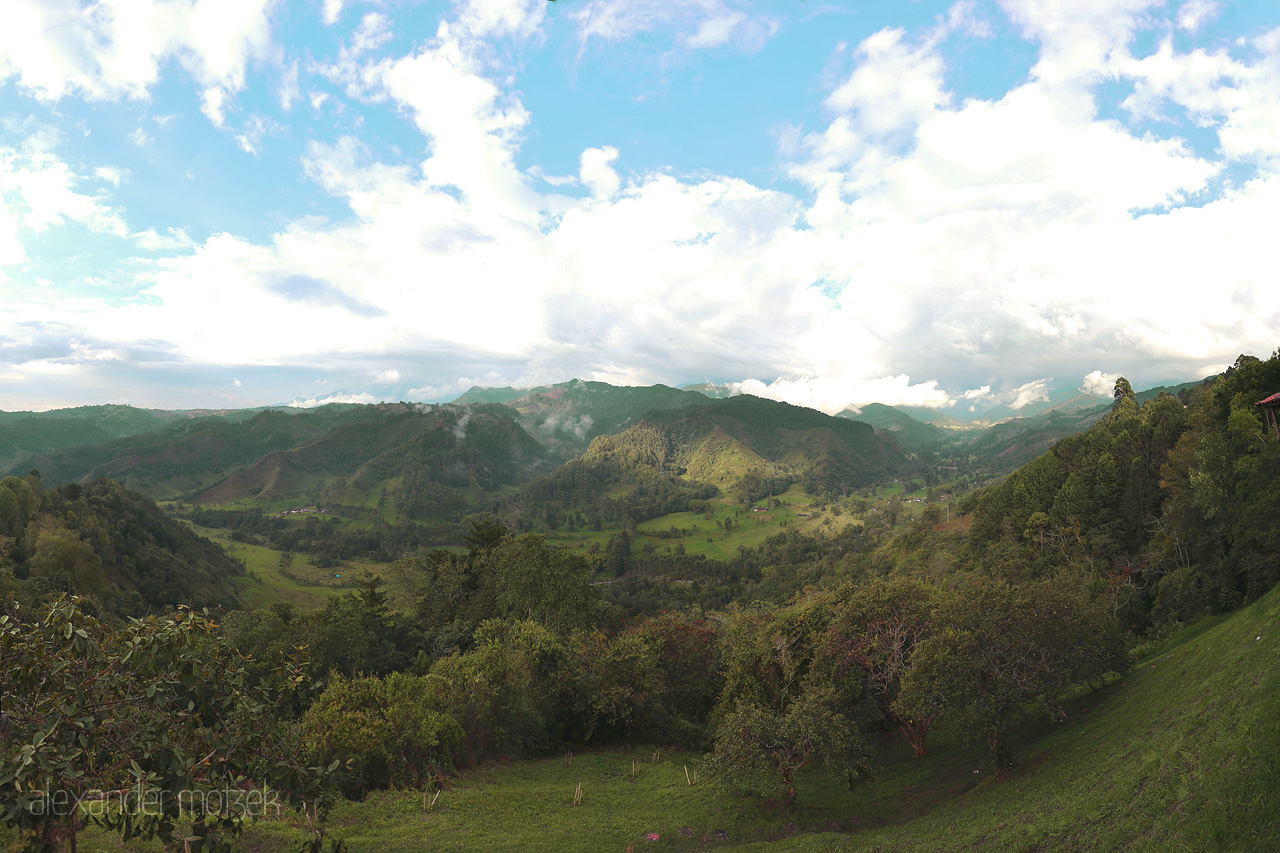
{"points": [[795, 510], [1183, 754], [304, 585]]}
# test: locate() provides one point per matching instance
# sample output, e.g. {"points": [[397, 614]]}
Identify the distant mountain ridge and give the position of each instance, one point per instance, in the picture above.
{"points": [[568, 415], [25, 434], [446, 451], [911, 433], [437, 462]]}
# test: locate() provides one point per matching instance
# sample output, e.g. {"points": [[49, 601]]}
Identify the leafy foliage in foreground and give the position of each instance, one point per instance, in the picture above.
{"points": [[135, 725]]}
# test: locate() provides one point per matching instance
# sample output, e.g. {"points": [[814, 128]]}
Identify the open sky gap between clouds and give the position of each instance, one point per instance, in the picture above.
{"points": [[238, 202]]}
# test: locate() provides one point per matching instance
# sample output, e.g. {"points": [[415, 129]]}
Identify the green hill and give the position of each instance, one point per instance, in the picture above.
{"points": [[567, 416], [108, 542], [26, 434], [188, 455], [732, 440], [428, 459], [480, 394], [1005, 446], [912, 434]]}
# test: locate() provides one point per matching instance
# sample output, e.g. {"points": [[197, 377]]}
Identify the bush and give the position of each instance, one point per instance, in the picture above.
{"points": [[512, 693], [384, 731]]}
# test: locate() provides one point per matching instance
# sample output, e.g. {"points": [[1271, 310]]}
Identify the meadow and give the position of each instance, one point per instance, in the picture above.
{"points": [[1181, 753]]}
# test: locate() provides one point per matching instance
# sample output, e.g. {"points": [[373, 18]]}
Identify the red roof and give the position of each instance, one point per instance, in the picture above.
{"points": [[1273, 400]]}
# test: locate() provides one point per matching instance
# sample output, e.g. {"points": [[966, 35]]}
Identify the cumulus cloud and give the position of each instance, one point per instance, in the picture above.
{"points": [[832, 394], [1028, 393], [39, 190], [110, 174], [107, 51], [597, 173], [330, 11], [939, 247], [336, 397], [1099, 384], [1194, 14]]}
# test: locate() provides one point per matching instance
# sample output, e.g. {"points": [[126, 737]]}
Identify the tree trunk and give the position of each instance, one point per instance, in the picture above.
{"points": [[914, 732]]}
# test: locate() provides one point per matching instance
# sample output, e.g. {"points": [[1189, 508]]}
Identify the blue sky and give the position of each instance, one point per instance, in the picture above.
{"points": [[954, 204]]}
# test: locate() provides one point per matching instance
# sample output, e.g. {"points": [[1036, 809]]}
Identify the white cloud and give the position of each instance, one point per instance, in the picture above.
{"points": [[473, 128], [940, 243], [1034, 391], [894, 86], [596, 172], [1194, 14], [698, 24], [497, 18], [1079, 39], [1239, 99], [107, 51], [110, 174], [1099, 383], [832, 394], [173, 240], [454, 388], [374, 31], [140, 137], [337, 397], [255, 129], [289, 90], [38, 190], [330, 11], [213, 105]]}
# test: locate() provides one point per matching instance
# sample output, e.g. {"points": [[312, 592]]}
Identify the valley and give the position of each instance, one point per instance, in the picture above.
{"points": [[662, 588]]}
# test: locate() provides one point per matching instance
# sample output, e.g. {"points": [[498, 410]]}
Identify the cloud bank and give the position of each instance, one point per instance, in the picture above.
{"points": [[919, 246]]}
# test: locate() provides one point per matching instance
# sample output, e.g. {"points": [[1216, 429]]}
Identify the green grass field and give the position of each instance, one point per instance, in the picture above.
{"points": [[1181, 754], [796, 510], [300, 583]]}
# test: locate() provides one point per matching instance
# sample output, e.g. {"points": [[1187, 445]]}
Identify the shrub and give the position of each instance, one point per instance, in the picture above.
{"points": [[383, 729]]}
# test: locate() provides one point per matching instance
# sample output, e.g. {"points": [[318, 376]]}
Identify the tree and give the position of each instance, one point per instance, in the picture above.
{"points": [[484, 533], [877, 630], [383, 731], [151, 716], [533, 581], [778, 711], [760, 748], [998, 647]]}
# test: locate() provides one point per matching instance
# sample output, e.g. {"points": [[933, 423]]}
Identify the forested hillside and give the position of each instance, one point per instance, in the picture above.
{"points": [[567, 416], [108, 543], [912, 434], [187, 455], [1167, 510], [427, 459], [26, 434]]}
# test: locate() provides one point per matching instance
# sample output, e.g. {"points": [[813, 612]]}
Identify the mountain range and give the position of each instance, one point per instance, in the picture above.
{"points": [[438, 462]]}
